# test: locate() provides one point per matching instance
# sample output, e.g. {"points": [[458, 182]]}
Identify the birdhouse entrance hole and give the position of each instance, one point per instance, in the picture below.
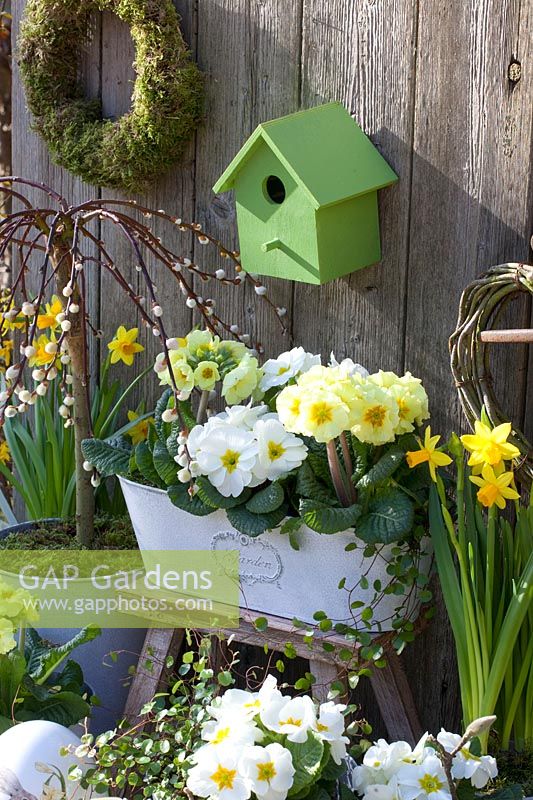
{"points": [[275, 189]]}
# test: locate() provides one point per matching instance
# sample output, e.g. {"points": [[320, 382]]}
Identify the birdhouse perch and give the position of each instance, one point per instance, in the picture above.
{"points": [[306, 194]]}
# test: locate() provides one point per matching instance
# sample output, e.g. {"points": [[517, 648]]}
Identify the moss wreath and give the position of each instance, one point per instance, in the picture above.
{"points": [[167, 99], [481, 304]]}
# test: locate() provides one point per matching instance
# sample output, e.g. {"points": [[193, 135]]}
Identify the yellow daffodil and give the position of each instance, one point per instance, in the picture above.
{"points": [[489, 446], [206, 375], [139, 432], [429, 453], [41, 357], [5, 351], [5, 455], [494, 488], [124, 347], [48, 318]]}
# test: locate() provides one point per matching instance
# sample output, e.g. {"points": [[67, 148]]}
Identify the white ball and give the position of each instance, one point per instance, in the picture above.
{"points": [[24, 745]]}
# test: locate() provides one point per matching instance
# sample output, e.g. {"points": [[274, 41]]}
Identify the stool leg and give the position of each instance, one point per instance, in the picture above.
{"points": [[158, 644], [395, 701]]}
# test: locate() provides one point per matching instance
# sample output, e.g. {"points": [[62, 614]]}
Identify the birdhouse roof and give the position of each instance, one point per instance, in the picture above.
{"points": [[323, 149]]}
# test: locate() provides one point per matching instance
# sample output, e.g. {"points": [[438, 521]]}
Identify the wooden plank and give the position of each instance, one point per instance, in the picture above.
{"points": [[174, 193], [470, 202], [395, 700], [31, 158], [363, 54], [249, 52], [325, 674], [151, 671]]}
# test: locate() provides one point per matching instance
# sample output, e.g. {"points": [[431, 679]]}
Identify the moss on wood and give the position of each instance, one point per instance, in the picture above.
{"points": [[167, 101]]}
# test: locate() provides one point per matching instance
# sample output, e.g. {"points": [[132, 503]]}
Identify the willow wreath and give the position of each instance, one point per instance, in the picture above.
{"points": [[481, 303], [167, 99]]}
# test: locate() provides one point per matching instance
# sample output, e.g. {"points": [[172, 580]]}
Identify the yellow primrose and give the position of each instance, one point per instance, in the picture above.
{"points": [[124, 347], [5, 455], [429, 453], [41, 357], [5, 352], [335, 380], [241, 382], [206, 375], [494, 488], [410, 396], [7, 640], [288, 406], [139, 432], [489, 446], [48, 319], [203, 340], [375, 415], [323, 416]]}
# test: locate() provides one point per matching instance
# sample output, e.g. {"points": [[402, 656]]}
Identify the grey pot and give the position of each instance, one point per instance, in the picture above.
{"points": [[108, 679]]}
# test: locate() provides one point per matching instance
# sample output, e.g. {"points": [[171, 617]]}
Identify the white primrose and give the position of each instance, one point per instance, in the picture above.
{"points": [[216, 775], [382, 791], [330, 728], [279, 452], [279, 371], [246, 705], [230, 729], [425, 781], [227, 457], [479, 770], [292, 717], [269, 770], [348, 366]]}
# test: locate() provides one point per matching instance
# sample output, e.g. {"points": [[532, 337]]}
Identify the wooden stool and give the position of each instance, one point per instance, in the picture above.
{"points": [[390, 684]]}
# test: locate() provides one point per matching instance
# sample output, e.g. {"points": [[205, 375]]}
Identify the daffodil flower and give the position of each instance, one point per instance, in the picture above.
{"points": [[139, 432], [429, 453], [494, 488], [42, 357], [124, 346], [489, 445], [5, 455], [48, 319], [5, 351]]}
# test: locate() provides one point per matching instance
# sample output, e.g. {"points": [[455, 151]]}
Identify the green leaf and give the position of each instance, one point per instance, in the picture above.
{"points": [[324, 519], [382, 469], [145, 464], [164, 464], [212, 497], [44, 658], [307, 762], [181, 498], [261, 624], [389, 518], [160, 407], [291, 525], [111, 457], [266, 500], [12, 670], [308, 485], [255, 524], [65, 708], [360, 458]]}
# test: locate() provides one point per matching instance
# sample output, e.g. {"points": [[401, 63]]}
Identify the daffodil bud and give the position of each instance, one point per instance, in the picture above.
{"points": [[479, 726]]}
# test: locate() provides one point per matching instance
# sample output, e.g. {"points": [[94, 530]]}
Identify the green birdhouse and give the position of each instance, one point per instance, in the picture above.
{"points": [[306, 193]]}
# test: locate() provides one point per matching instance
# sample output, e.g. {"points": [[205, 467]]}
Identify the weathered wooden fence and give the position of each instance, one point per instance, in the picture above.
{"points": [[429, 81]]}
